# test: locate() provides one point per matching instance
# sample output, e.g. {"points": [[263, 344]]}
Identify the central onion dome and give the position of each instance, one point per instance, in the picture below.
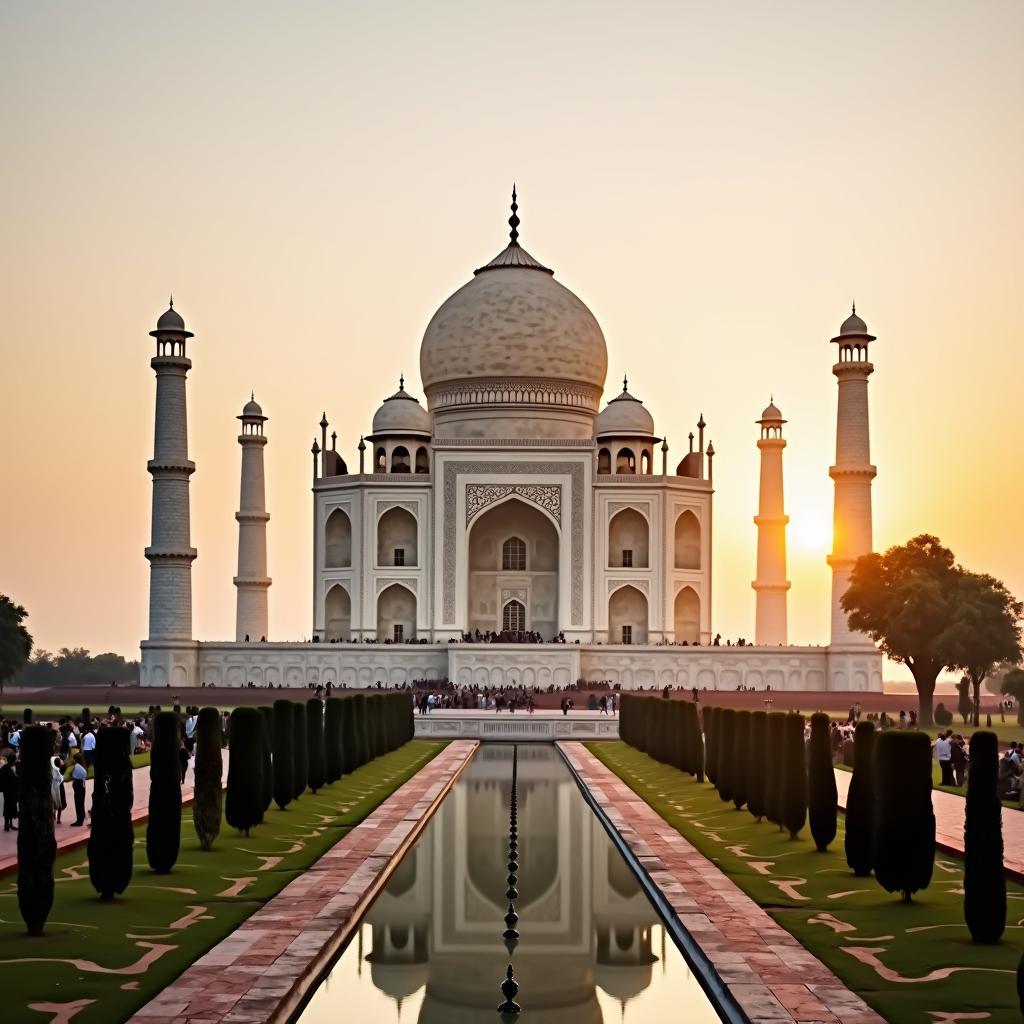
{"points": [[513, 344]]}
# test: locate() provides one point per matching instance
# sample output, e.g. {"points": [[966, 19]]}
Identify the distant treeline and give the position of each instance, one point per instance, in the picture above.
{"points": [[76, 667]]}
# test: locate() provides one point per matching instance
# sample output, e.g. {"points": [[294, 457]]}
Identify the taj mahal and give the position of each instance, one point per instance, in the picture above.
{"points": [[505, 528]]}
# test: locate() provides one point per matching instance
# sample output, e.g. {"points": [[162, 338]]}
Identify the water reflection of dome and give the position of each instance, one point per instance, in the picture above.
{"points": [[623, 981], [399, 981]]}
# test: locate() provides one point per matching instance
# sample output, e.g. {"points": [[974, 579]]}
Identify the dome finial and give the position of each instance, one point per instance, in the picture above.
{"points": [[401, 382], [252, 395], [513, 221], [853, 307], [171, 302], [625, 384]]}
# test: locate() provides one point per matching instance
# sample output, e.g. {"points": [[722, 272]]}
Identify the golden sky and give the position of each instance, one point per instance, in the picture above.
{"points": [[716, 181]]}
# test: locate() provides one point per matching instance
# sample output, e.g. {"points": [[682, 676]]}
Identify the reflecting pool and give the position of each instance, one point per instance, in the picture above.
{"points": [[591, 948]]}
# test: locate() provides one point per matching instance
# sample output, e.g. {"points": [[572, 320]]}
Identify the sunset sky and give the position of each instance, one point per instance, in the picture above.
{"points": [[716, 181]]}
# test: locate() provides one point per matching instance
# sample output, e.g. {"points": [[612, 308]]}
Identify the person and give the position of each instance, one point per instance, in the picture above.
{"points": [[959, 760], [78, 776], [60, 800], [9, 792], [565, 705], [944, 755], [89, 747], [190, 728], [1009, 777], [182, 759], [134, 736]]}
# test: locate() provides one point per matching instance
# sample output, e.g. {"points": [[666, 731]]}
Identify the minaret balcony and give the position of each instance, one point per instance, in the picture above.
{"points": [[184, 467]]}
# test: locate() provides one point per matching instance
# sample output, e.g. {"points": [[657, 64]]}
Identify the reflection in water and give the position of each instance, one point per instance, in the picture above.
{"points": [[592, 949]]}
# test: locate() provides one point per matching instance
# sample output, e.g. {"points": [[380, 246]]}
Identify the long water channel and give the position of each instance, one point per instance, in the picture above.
{"points": [[591, 946]]}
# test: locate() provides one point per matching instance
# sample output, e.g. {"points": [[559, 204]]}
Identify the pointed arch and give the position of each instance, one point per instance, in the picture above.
{"points": [[396, 614], [687, 541], [628, 540], [397, 537], [604, 462], [337, 614], [400, 460], [627, 616], [422, 461], [625, 462], [686, 616], [338, 540]]}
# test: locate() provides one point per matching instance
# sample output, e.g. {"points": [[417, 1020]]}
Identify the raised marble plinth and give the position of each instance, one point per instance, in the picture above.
{"points": [[518, 726]]}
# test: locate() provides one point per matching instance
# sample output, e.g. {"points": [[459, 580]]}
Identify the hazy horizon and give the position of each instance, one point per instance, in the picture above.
{"points": [[716, 183]]}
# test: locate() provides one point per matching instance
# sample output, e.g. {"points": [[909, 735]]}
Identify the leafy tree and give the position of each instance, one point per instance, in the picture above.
{"points": [[163, 827], [1013, 686], [741, 758], [903, 600], [965, 706], [111, 839], [243, 806], [15, 639], [757, 774], [284, 759], [860, 802], [983, 630], [37, 847], [207, 807], [315, 743], [984, 880], [794, 776], [904, 820], [822, 797]]}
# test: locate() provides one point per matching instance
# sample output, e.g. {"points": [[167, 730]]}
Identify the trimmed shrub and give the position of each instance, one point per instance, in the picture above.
{"points": [[984, 880], [1020, 983], [724, 732], [284, 759], [315, 743], [111, 838], [710, 751], [860, 803], [904, 822], [267, 787], [794, 776], [740, 758], [349, 740], [37, 846], [822, 796], [163, 828], [362, 742], [243, 808], [334, 751], [208, 806], [681, 757], [27, 719], [374, 725], [776, 757], [299, 750], [757, 770], [697, 743]]}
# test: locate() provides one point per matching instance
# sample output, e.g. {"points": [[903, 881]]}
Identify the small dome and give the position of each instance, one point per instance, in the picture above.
{"points": [[624, 415], [401, 414], [771, 413], [252, 408], [853, 327], [171, 321]]}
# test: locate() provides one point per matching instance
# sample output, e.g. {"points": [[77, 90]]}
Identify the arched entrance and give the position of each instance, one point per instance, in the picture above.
{"points": [[396, 538], [627, 617], [628, 540], [338, 540], [513, 557], [337, 613], [687, 616], [396, 614], [687, 541]]}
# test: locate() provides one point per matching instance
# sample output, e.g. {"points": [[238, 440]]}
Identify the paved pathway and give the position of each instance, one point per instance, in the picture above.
{"points": [[949, 825], [261, 971], [773, 978], [68, 838]]}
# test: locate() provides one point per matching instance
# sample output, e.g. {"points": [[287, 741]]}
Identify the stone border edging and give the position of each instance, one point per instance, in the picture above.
{"points": [[267, 968], [769, 973]]}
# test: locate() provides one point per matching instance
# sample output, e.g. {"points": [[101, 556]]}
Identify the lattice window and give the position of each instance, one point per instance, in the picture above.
{"points": [[513, 555], [627, 558], [627, 634], [399, 556], [399, 633], [513, 617]]}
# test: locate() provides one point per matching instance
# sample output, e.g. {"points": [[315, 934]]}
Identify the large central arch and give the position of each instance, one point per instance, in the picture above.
{"points": [[499, 574]]}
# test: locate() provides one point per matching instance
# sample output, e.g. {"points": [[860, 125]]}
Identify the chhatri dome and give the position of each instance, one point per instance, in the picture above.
{"points": [[513, 337], [624, 416], [401, 413]]}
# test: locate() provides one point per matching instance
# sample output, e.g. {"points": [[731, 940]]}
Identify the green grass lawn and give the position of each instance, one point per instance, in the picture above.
{"points": [[908, 961], [163, 923], [138, 761]]}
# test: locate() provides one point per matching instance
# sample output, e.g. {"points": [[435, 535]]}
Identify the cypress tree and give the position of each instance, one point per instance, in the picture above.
{"points": [[37, 846], [284, 759], [776, 747], [710, 753], [650, 727], [860, 802], [757, 771], [243, 807], [984, 880], [27, 719], [725, 729], [741, 758], [163, 828], [794, 776], [267, 780], [362, 743], [111, 838], [374, 724], [697, 742], [904, 821], [349, 741], [315, 743], [334, 752], [299, 750], [208, 805], [1020, 983], [822, 796], [681, 736]]}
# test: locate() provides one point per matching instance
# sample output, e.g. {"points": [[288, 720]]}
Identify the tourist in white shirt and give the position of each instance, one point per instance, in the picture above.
{"points": [[89, 747], [944, 755]]}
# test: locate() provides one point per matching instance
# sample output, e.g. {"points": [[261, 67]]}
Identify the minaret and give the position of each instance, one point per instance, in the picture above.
{"points": [[852, 472], [252, 580], [170, 553], [771, 583]]}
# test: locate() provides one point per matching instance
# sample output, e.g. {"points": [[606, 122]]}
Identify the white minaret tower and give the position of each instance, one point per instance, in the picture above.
{"points": [[852, 472], [252, 580], [771, 583], [170, 553]]}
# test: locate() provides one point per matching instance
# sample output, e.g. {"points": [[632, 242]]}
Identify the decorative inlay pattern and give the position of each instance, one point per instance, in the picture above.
{"points": [[574, 470], [616, 584], [515, 392], [512, 442], [547, 496], [404, 581]]}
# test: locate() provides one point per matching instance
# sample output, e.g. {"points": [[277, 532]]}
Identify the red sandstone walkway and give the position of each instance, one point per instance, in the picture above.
{"points": [[68, 838], [772, 977], [949, 825], [259, 972]]}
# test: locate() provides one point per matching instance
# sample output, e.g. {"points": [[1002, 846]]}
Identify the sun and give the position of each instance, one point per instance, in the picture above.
{"points": [[811, 530]]}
